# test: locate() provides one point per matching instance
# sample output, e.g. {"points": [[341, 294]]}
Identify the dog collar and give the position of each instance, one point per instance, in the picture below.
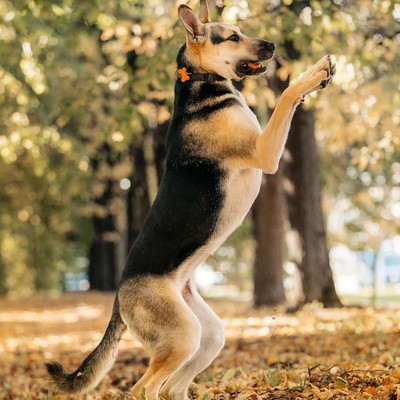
{"points": [[183, 75]]}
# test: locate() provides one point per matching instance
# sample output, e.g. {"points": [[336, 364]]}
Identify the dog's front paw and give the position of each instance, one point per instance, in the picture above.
{"points": [[317, 77], [320, 75], [329, 67]]}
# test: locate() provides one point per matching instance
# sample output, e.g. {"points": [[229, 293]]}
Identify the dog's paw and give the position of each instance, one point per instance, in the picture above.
{"points": [[330, 68], [317, 77]]}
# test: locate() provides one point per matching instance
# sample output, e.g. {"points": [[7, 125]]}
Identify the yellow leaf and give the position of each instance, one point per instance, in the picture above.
{"points": [[229, 374]]}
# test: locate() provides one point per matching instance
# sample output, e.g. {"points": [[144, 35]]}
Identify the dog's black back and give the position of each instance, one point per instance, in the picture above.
{"points": [[190, 197], [182, 218]]}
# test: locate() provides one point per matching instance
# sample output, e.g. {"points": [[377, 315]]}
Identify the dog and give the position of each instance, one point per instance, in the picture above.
{"points": [[216, 154]]}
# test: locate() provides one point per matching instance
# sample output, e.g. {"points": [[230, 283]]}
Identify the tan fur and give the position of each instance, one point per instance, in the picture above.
{"points": [[222, 60], [235, 136], [181, 333], [155, 312], [212, 341], [166, 313], [227, 54], [236, 139]]}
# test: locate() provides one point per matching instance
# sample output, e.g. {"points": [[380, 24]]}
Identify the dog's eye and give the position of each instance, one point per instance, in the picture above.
{"points": [[234, 38]]}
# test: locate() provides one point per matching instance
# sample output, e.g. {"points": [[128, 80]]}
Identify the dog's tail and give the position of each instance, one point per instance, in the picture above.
{"points": [[96, 364]]}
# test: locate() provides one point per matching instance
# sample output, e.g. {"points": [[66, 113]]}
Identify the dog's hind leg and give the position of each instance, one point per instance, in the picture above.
{"points": [[155, 312], [212, 341]]}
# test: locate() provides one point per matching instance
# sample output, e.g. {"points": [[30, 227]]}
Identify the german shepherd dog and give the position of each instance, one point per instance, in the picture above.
{"points": [[216, 153]]}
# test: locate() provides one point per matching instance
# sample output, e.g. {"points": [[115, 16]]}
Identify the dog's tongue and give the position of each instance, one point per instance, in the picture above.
{"points": [[256, 65]]}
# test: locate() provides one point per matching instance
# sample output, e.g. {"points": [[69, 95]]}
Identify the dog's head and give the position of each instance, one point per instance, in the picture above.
{"points": [[220, 48]]}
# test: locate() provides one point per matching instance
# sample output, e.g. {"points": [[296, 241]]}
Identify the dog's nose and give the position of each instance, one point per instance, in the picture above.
{"points": [[265, 49], [266, 46], [270, 46]]}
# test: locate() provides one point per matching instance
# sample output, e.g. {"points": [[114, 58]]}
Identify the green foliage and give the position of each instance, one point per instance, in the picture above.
{"points": [[66, 89], [44, 90]]}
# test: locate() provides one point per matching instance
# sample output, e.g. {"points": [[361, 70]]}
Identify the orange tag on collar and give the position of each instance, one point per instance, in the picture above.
{"points": [[183, 73]]}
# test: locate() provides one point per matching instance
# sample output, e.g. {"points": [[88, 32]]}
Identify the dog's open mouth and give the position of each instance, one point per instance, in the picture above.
{"points": [[251, 68]]}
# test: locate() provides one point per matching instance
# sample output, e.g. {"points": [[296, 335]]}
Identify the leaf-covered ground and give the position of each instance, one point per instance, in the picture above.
{"points": [[345, 353]]}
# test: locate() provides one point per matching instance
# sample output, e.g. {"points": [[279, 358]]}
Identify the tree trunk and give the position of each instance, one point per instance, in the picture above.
{"points": [[305, 211], [268, 228], [138, 198], [102, 256], [269, 215], [103, 251]]}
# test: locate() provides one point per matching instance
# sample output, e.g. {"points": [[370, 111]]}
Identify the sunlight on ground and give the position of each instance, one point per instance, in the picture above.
{"points": [[345, 353]]}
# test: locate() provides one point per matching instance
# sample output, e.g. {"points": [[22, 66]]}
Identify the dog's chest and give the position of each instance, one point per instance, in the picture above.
{"points": [[241, 189]]}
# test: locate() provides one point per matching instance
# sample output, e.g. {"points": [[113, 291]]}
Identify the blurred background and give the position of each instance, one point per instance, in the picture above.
{"points": [[86, 95]]}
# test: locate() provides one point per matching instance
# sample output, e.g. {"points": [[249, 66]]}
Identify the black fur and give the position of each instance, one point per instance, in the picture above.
{"points": [[216, 38], [87, 375], [216, 35], [190, 197], [182, 219], [205, 111]]}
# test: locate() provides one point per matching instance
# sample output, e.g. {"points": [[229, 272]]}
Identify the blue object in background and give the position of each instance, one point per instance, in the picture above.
{"points": [[392, 267], [76, 282], [367, 258]]}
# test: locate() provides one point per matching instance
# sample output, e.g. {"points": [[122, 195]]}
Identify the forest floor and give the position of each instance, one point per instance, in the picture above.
{"points": [[349, 353]]}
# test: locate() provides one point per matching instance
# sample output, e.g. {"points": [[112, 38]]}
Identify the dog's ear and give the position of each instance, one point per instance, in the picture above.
{"points": [[204, 14], [194, 27]]}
